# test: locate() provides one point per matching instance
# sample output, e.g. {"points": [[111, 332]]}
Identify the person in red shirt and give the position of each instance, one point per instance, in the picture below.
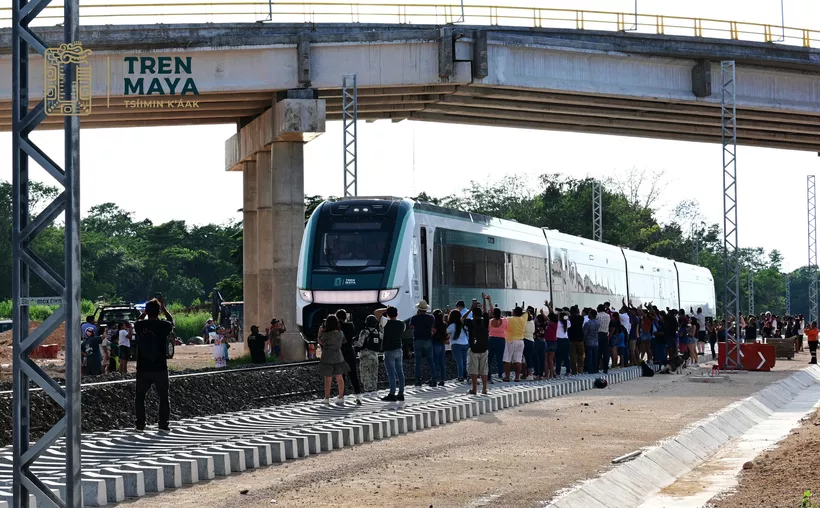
{"points": [[811, 335]]}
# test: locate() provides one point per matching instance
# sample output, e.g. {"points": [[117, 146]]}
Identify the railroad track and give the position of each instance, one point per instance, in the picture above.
{"points": [[274, 367], [124, 464]]}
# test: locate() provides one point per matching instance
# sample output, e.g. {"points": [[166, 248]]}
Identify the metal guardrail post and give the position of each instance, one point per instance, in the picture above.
{"points": [[25, 261], [731, 265]]}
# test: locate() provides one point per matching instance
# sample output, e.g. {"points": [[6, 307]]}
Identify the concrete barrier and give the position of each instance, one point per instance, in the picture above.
{"points": [[626, 485]]}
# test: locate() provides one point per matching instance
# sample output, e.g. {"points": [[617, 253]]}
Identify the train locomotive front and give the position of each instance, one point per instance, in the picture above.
{"points": [[354, 256]]}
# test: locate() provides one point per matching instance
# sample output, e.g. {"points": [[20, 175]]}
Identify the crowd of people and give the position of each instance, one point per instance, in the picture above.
{"points": [[107, 350], [487, 346], [531, 343]]}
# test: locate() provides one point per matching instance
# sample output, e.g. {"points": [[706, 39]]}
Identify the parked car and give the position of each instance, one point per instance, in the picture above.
{"points": [[111, 315]]}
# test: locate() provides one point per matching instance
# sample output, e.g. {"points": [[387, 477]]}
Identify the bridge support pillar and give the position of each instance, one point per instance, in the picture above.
{"points": [[266, 236], [288, 221], [250, 275], [270, 150]]}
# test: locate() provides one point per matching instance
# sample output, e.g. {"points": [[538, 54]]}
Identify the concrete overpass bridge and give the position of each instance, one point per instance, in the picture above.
{"points": [[280, 82]]}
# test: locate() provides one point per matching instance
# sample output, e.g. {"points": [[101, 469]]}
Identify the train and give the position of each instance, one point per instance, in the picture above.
{"points": [[365, 253]]}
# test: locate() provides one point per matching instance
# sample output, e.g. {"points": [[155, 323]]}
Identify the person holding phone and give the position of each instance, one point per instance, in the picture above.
{"points": [[152, 365]]}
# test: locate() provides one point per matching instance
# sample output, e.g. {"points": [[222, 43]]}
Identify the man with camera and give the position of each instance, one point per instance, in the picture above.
{"points": [[152, 367]]}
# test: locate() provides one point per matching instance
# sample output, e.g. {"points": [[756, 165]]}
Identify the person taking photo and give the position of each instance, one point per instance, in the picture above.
{"points": [[152, 366]]}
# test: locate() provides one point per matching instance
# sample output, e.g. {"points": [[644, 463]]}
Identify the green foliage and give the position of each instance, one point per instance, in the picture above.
{"points": [[41, 312], [806, 501], [231, 288], [190, 325]]}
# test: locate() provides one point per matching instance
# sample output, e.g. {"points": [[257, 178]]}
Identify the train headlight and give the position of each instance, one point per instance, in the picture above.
{"points": [[306, 295], [385, 295]]}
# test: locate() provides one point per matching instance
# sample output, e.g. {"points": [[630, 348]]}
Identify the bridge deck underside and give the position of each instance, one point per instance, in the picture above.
{"points": [[490, 106]]}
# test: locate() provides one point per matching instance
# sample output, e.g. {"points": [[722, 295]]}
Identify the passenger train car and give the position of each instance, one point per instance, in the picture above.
{"points": [[362, 254]]}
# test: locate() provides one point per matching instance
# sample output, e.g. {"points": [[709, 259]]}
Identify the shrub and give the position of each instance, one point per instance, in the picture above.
{"points": [[189, 325], [41, 312]]}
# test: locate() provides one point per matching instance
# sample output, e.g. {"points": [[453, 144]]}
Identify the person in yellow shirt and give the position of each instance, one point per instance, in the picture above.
{"points": [[514, 349]]}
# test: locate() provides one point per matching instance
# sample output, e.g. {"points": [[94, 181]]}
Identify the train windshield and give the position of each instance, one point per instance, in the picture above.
{"points": [[352, 246]]}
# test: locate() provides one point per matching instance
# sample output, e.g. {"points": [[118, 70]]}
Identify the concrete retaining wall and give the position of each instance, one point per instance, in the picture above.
{"points": [[628, 485]]}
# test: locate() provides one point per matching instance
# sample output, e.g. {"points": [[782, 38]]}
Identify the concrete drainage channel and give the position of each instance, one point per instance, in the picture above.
{"points": [[751, 424], [127, 464]]}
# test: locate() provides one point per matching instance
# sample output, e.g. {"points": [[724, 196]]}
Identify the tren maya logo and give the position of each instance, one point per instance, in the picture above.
{"points": [[148, 82], [56, 80]]}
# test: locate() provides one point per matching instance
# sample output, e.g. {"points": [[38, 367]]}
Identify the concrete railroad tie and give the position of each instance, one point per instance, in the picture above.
{"points": [[122, 464]]}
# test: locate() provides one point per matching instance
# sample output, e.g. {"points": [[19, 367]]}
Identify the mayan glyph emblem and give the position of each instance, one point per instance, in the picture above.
{"points": [[57, 81]]}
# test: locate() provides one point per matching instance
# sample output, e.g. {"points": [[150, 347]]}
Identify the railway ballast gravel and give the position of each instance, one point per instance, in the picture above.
{"points": [[108, 406]]}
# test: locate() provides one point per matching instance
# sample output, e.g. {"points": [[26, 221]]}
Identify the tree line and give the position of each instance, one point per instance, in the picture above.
{"points": [[128, 260]]}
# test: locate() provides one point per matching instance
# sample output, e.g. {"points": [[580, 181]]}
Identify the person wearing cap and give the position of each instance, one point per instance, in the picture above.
{"points": [[256, 344], [422, 325]]}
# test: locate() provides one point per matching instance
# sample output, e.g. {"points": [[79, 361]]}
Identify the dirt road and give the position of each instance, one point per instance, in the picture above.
{"points": [[517, 457]]}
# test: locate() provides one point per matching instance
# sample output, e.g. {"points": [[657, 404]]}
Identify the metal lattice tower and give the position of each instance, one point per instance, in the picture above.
{"points": [[350, 113], [812, 206], [731, 265], [597, 216], [25, 261], [788, 294], [751, 293]]}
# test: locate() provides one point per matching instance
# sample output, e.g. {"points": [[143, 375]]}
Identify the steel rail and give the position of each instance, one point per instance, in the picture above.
{"points": [[191, 374], [491, 15]]}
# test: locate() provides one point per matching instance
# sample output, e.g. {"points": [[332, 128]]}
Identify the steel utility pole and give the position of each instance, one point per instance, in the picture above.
{"points": [[731, 265], [788, 294], [597, 212], [695, 236], [811, 198], [751, 293], [64, 286], [350, 114]]}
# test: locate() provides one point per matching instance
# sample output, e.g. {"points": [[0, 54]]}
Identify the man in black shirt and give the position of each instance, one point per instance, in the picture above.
{"points": [[256, 343], [479, 342], [576, 340], [152, 366]]}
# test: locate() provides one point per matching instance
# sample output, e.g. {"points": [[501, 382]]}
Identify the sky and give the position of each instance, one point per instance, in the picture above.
{"points": [[167, 173]]}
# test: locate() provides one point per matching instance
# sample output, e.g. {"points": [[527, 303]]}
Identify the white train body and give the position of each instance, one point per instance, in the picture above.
{"points": [[361, 254]]}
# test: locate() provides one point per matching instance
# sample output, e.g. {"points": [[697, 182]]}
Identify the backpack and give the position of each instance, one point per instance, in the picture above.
{"points": [[646, 370]]}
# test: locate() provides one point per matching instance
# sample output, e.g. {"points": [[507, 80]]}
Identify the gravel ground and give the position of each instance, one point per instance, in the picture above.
{"points": [[112, 406], [780, 476], [514, 458]]}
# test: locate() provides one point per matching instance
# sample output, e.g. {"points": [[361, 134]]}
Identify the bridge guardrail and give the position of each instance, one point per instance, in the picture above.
{"points": [[179, 11]]}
